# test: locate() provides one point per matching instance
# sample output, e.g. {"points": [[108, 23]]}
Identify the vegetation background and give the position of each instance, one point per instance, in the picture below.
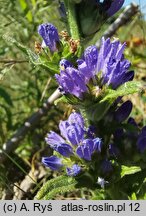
{"points": [[24, 88]]}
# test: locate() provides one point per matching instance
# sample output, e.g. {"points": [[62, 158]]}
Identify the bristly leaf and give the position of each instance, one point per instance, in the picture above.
{"points": [[59, 190], [52, 184], [126, 89]]}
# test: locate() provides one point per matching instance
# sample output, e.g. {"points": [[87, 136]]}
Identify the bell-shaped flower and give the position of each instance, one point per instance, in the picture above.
{"points": [[53, 139], [76, 118], [107, 65], [71, 82], [57, 143], [74, 170], [97, 144], [53, 162], [75, 134], [50, 36], [122, 113], [87, 148], [73, 129], [112, 64]]}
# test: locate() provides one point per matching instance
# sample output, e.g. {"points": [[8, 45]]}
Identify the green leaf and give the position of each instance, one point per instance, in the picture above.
{"points": [[60, 100], [53, 184], [95, 112], [36, 60], [126, 89], [59, 190], [129, 170], [23, 4], [29, 16], [133, 196], [12, 40]]}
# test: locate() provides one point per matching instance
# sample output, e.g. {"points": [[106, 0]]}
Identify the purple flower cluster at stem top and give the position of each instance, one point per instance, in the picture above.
{"points": [[108, 62], [72, 142]]}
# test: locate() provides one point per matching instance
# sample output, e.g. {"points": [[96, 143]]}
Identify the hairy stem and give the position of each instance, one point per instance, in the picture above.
{"points": [[72, 20]]}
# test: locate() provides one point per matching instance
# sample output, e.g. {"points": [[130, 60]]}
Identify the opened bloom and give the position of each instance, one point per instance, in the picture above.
{"points": [[106, 66], [73, 134]]}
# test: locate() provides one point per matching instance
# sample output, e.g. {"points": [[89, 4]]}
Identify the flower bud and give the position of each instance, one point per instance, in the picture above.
{"points": [[50, 36]]}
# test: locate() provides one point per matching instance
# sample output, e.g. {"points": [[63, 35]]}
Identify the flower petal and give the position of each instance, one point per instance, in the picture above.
{"points": [[52, 162], [74, 170]]}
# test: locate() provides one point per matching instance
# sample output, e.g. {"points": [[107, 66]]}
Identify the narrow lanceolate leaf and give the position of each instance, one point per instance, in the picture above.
{"points": [[129, 170], [59, 190], [53, 184], [126, 89]]}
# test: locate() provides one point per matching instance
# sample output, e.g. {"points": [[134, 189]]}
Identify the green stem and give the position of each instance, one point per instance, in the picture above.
{"points": [[72, 19], [84, 114]]}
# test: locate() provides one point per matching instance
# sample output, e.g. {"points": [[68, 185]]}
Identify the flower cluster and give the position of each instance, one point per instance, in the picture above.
{"points": [[106, 146], [75, 142], [104, 67], [78, 150]]}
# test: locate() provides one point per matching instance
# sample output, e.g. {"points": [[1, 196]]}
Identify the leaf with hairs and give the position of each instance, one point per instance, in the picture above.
{"points": [[125, 89], [52, 184]]}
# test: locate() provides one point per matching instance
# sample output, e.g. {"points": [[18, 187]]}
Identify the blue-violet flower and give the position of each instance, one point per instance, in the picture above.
{"points": [[108, 63], [50, 36], [52, 162], [74, 170], [73, 143]]}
